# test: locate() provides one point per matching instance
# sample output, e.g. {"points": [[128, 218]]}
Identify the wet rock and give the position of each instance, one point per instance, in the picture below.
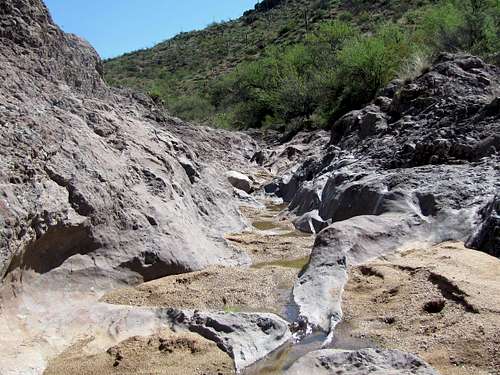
{"points": [[361, 362], [239, 181], [245, 337]]}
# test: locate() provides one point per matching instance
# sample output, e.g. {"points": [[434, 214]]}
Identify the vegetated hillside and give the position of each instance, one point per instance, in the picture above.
{"points": [[302, 62], [194, 58]]}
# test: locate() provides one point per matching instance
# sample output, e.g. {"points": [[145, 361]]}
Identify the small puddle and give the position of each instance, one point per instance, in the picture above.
{"points": [[283, 358], [266, 225], [286, 263]]}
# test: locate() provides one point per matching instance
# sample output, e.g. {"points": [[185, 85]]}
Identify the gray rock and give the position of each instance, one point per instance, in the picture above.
{"points": [[358, 125], [307, 198], [361, 362], [318, 290], [245, 337], [100, 174], [310, 222], [239, 181]]}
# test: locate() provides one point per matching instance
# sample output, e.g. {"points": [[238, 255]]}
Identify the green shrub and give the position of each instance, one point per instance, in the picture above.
{"points": [[191, 108], [467, 25]]}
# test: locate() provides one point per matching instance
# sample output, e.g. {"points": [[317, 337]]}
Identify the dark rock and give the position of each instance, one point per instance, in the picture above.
{"points": [[288, 187], [271, 187], [190, 169], [487, 237], [310, 222], [307, 199], [259, 157], [358, 125]]}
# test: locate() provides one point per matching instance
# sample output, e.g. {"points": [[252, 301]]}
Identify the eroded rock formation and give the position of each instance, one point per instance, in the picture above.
{"points": [[98, 180], [421, 163]]}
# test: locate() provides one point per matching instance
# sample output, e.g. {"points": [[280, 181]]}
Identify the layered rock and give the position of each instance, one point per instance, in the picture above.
{"points": [[99, 181]]}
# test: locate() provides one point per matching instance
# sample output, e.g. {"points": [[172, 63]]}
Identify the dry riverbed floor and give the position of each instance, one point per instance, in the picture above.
{"points": [[166, 353], [442, 303], [278, 252]]}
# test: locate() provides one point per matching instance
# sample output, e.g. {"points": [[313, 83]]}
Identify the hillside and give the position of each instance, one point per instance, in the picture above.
{"points": [[180, 70]]}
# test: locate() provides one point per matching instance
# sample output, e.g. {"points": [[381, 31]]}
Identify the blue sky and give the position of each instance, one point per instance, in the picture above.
{"points": [[118, 26]]}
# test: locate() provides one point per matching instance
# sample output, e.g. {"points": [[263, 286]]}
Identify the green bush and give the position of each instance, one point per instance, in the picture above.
{"points": [[191, 108], [467, 25]]}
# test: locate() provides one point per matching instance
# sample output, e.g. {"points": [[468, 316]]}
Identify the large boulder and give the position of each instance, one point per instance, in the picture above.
{"points": [[95, 181], [245, 337], [239, 181]]}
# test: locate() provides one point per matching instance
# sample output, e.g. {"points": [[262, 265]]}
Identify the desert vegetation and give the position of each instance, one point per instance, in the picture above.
{"points": [[303, 66]]}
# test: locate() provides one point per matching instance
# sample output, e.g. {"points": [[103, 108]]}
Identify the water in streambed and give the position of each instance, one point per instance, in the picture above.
{"points": [[281, 359]]}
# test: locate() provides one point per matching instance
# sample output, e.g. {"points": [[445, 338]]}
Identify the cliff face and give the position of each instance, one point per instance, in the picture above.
{"points": [[99, 181]]}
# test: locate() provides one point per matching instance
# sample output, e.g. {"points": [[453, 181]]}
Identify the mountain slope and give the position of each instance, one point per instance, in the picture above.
{"points": [[180, 70]]}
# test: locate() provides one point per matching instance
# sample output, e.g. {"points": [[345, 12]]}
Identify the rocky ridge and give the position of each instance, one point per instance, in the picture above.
{"points": [[418, 165]]}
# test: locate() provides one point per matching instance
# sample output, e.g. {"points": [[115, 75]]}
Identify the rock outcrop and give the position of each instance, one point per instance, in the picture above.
{"points": [[99, 181], [418, 164]]}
